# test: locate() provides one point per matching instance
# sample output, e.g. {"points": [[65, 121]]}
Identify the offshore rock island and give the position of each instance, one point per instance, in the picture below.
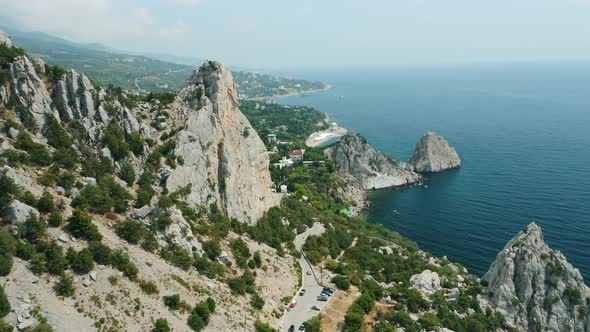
{"points": [[195, 211]]}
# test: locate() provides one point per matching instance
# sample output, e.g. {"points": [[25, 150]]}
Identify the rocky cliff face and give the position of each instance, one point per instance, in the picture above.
{"points": [[536, 288], [225, 162], [4, 39], [30, 90], [368, 168], [433, 154]]}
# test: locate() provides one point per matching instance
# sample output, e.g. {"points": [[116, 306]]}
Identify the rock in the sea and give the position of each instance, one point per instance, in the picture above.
{"points": [[225, 161], [535, 287], [427, 282], [355, 157], [434, 154], [17, 213]]}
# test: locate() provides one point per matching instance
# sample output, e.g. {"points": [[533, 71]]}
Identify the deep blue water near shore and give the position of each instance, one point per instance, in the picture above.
{"points": [[522, 131]]}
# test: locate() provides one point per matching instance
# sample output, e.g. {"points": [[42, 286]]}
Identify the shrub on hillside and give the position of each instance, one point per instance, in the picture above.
{"points": [[64, 286], [161, 325], [32, 229], [45, 203], [101, 253], [114, 139], [131, 230], [4, 303], [172, 301], [177, 256], [341, 282], [81, 226], [127, 174]]}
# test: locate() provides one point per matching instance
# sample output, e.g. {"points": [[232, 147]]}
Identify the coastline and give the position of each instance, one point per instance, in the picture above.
{"points": [[270, 99]]}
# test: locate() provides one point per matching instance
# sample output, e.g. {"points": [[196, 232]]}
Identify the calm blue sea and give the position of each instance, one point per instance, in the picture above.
{"points": [[522, 131]]}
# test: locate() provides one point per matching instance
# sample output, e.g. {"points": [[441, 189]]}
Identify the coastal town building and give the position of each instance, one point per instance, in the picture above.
{"points": [[271, 138], [297, 155], [284, 162]]}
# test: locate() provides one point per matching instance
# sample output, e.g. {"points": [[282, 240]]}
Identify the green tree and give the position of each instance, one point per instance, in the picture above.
{"points": [[64, 286], [136, 143], [212, 248], [55, 219], [55, 260], [80, 225], [115, 140], [262, 327], [127, 174], [8, 189], [4, 326], [341, 282], [45, 203], [32, 229], [37, 263], [161, 325], [131, 230], [101, 253], [257, 302], [7, 250], [84, 262], [172, 301], [4, 303]]}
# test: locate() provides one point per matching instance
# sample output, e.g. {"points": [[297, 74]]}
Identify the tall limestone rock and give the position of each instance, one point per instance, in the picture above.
{"points": [[536, 288], [225, 162], [30, 90], [433, 154], [368, 168]]}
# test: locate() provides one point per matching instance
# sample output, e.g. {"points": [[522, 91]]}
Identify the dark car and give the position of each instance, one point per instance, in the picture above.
{"points": [[322, 298], [302, 326], [292, 328], [302, 292]]}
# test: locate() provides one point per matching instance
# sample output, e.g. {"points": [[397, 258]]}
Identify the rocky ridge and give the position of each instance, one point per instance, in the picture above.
{"points": [[434, 154], [536, 288]]}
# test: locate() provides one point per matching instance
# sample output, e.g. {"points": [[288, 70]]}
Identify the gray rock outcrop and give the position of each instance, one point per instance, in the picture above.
{"points": [[536, 288], [427, 282], [225, 161], [4, 39], [370, 169], [30, 90], [434, 154], [17, 212]]}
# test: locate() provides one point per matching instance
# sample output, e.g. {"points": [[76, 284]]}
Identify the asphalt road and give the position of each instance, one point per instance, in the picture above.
{"points": [[302, 311]]}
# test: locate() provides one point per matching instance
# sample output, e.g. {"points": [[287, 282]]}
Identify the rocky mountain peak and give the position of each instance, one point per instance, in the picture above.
{"points": [[225, 160], [434, 154], [4, 39], [535, 287]]}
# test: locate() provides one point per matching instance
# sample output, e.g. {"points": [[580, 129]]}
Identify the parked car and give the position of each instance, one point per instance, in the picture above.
{"points": [[322, 298], [293, 304], [292, 328], [302, 292], [302, 326], [315, 307], [308, 273]]}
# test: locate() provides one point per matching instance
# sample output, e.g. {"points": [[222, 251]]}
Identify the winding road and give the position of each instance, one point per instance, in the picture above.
{"points": [[302, 311]]}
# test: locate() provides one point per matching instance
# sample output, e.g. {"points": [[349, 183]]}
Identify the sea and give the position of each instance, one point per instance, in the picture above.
{"points": [[521, 130]]}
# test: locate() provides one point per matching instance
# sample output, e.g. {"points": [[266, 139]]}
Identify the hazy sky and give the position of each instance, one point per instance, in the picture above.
{"points": [[285, 33]]}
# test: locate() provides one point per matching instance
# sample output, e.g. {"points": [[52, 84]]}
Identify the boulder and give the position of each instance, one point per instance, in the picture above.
{"points": [[17, 213], [434, 154], [13, 133], [141, 213], [427, 282]]}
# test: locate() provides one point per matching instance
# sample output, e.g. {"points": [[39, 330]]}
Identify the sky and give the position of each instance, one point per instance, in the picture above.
{"points": [[321, 33]]}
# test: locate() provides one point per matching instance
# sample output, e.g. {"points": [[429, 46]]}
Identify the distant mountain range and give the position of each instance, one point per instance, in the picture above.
{"points": [[143, 72]]}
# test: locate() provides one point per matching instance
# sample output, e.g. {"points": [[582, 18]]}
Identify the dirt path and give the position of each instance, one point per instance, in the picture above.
{"points": [[333, 315]]}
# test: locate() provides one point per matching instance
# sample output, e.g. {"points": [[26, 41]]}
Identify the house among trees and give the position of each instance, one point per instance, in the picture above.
{"points": [[296, 155], [271, 138]]}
